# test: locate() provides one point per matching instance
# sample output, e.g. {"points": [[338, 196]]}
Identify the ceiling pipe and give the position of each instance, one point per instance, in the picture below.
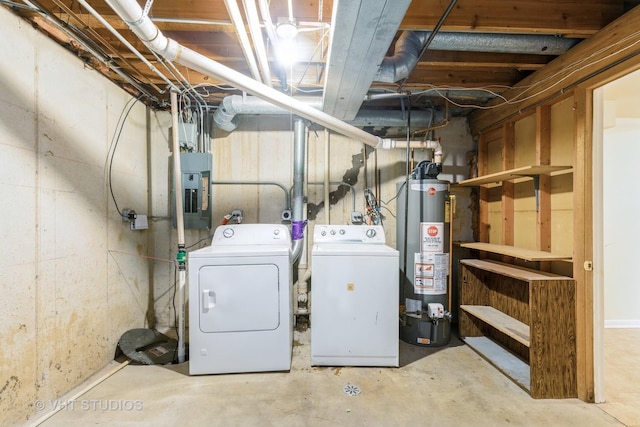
{"points": [[410, 45], [436, 29], [236, 18], [268, 23], [131, 13], [258, 41], [124, 41], [226, 116]]}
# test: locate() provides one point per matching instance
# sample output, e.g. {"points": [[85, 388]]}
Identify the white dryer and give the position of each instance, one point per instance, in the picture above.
{"points": [[354, 297], [240, 301]]}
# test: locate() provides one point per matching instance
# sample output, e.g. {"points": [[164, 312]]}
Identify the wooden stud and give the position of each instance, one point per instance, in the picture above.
{"points": [[508, 187], [583, 243], [543, 157]]}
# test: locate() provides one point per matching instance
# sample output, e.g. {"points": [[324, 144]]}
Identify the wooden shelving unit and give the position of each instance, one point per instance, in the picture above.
{"points": [[523, 322]]}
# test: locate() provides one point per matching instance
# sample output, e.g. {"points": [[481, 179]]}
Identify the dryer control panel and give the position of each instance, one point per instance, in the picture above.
{"points": [[252, 234], [372, 234]]}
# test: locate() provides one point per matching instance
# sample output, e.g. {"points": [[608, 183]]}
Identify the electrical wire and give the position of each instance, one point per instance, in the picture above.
{"points": [[372, 208], [199, 241], [114, 145]]}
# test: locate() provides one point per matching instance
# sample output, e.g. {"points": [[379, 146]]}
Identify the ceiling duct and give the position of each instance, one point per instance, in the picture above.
{"points": [[410, 44], [226, 116], [361, 33]]}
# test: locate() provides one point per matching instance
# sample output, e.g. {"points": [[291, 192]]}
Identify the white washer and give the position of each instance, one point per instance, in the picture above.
{"points": [[240, 301], [354, 297]]}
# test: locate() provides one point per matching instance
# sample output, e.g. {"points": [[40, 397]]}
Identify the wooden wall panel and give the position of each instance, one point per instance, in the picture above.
{"points": [[553, 337], [562, 132], [525, 141]]}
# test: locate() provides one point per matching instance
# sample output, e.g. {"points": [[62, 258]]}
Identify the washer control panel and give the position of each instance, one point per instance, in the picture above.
{"points": [[373, 234]]}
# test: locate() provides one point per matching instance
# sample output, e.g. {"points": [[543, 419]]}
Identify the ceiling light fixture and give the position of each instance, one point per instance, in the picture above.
{"points": [[287, 30]]}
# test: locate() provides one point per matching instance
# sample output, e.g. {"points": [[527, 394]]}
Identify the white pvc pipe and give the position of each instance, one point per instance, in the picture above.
{"points": [[236, 18], [177, 173], [146, 30], [327, 175], [124, 41], [253, 20], [434, 145]]}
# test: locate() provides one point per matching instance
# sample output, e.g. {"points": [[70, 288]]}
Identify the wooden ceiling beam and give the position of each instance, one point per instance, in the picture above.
{"points": [[616, 42], [569, 18]]}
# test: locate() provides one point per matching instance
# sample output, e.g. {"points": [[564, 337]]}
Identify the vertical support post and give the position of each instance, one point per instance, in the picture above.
{"points": [[181, 256], [543, 182]]}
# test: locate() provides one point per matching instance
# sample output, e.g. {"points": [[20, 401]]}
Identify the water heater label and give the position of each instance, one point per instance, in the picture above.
{"points": [[430, 188], [432, 237], [431, 272]]}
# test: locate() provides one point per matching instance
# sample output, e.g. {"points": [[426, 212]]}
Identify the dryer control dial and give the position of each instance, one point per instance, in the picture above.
{"points": [[227, 232], [371, 233]]}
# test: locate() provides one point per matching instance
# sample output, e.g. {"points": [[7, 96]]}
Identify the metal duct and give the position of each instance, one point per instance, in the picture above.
{"points": [[226, 118], [297, 208], [409, 46]]}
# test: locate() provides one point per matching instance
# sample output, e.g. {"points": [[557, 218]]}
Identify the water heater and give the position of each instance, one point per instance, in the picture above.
{"points": [[423, 242]]}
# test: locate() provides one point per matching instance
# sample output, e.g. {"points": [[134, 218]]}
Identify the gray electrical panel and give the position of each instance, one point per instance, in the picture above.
{"points": [[196, 195]]}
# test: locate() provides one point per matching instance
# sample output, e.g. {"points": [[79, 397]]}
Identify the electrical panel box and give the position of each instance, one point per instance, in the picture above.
{"points": [[196, 195], [187, 136]]}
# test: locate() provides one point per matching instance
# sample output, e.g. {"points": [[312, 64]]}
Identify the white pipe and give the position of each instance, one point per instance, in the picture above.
{"points": [[327, 175], [268, 23], [434, 145], [177, 173], [258, 42], [131, 13], [236, 18], [124, 41]]}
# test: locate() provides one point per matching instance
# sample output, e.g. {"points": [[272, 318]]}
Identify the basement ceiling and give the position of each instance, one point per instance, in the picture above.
{"points": [[353, 55]]}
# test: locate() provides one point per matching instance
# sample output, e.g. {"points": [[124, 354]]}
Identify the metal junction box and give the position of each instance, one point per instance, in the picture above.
{"points": [[196, 195]]}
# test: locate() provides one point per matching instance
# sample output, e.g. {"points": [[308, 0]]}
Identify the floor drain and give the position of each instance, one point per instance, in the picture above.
{"points": [[351, 390]]}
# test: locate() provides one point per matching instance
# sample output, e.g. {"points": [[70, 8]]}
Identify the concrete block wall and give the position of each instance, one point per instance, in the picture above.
{"points": [[71, 276]]}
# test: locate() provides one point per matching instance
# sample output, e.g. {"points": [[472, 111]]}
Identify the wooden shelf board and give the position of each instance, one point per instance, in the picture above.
{"points": [[516, 272], [502, 359], [502, 322], [526, 171], [521, 253]]}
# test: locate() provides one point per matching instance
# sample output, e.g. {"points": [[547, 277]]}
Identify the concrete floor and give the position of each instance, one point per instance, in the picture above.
{"points": [[448, 386]]}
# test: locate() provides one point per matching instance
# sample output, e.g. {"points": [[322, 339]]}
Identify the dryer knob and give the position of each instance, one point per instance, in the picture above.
{"points": [[227, 232], [371, 233]]}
